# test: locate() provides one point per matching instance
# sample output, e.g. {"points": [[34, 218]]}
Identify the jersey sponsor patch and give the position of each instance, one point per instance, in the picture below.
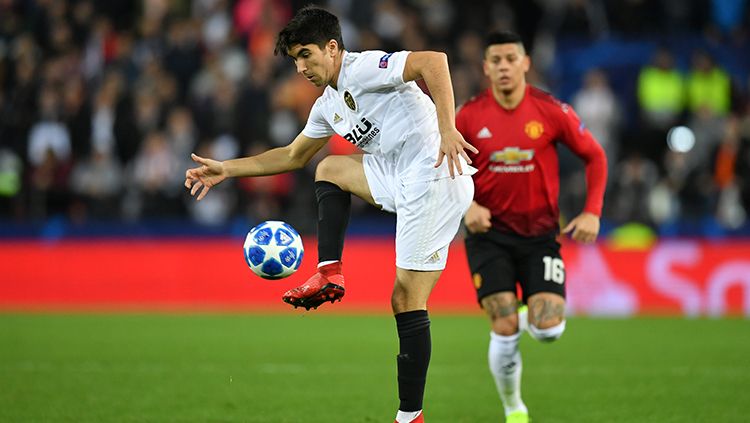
{"points": [[384, 61], [534, 129], [484, 133], [511, 155]]}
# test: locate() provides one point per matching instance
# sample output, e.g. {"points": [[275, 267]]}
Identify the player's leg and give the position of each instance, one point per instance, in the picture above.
{"points": [[409, 302], [428, 216], [494, 274], [543, 279], [336, 178]]}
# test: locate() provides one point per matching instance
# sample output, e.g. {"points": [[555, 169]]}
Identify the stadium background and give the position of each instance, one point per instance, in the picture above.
{"points": [[121, 300], [102, 102]]}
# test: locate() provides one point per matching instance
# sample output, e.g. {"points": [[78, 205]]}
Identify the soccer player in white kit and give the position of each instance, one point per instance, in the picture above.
{"points": [[415, 166]]}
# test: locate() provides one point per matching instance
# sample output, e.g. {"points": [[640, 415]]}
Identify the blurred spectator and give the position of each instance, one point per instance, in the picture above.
{"points": [[629, 194], [730, 172], [49, 153], [155, 180], [181, 132], [96, 181], [597, 107], [254, 105], [661, 91], [708, 86], [76, 113], [11, 177], [48, 136], [219, 209], [661, 101]]}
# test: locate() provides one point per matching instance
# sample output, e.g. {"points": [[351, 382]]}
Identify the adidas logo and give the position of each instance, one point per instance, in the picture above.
{"points": [[484, 133], [434, 258], [336, 118]]}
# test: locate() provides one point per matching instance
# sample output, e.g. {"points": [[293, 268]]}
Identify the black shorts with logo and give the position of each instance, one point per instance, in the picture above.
{"points": [[500, 260]]}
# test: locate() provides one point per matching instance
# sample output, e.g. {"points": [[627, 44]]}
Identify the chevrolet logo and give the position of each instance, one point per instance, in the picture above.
{"points": [[511, 155]]}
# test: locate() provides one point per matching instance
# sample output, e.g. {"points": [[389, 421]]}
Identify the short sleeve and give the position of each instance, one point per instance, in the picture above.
{"points": [[317, 126], [378, 69]]}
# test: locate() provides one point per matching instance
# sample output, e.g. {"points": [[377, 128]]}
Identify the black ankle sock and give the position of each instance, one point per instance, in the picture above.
{"points": [[413, 358], [333, 218]]}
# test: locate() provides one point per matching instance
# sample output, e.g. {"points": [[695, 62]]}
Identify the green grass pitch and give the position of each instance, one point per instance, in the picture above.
{"points": [[330, 368]]}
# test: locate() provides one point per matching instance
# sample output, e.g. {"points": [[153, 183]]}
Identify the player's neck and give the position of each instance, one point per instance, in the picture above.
{"points": [[511, 99], [337, 60]]}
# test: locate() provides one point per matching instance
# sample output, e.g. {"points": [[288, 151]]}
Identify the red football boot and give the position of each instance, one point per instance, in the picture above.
{"points": [[419, 419], [325, 285]]}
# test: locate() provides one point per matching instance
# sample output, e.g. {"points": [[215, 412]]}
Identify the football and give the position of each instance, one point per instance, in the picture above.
{"points": [[273, 249]]}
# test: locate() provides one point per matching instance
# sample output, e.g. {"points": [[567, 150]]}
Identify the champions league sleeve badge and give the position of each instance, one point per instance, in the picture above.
{"points": [[384, 61]]}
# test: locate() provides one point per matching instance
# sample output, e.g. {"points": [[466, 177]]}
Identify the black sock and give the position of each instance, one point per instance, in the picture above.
{"points": [[333, 218], [413, 358]]}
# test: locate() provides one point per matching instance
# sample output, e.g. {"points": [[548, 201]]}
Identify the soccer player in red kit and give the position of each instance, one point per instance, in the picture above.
{"points": [[513, 222]]}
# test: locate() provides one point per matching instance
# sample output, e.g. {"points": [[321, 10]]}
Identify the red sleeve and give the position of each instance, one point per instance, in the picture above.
{"points": [[578, 138], [462, 127]]}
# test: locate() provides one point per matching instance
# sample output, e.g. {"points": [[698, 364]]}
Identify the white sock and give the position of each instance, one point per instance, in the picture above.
{"points": [[406, 416], [323, 263], [505, 365]]}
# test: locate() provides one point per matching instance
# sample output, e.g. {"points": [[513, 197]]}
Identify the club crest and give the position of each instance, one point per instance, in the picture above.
{"points": [[534, 129], [349, 100]]}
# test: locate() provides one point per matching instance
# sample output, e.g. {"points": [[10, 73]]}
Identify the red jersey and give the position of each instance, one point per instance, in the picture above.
{"points": [[518, 178]]}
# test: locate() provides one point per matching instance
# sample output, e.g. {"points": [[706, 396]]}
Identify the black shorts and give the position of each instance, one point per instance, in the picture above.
{"points": [[499, 260]]}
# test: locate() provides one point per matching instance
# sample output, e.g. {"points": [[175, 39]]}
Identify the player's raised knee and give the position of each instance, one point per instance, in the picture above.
{"points": [[329, 169]]}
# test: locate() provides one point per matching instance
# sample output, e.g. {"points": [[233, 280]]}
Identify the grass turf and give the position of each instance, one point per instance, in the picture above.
{"points": [[327, 368]]}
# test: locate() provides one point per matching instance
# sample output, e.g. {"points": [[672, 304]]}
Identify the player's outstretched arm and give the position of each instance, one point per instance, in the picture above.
{"points": [[277, 160], [585, 228], [208, 174], [432, 66]]}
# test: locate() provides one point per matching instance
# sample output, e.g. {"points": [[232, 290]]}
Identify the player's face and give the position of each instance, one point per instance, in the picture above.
{"points": [[506, 66], [314, 63]]}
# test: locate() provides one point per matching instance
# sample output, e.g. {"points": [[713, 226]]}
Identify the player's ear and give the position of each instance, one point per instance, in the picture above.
{"points": [[332, 47]]}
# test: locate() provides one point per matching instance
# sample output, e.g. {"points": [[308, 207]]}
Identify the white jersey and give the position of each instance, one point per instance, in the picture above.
{"points": [[374, 109]]}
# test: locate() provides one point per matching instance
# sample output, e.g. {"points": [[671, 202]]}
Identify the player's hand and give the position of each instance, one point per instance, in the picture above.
{"points": [[585, 228], [453, 145], [208, 174], [478, 218]]}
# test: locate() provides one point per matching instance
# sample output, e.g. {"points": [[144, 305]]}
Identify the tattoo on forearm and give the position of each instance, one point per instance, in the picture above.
{"points": [[545, 310]]}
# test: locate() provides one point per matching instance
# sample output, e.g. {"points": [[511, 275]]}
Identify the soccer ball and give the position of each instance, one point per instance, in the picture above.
{"points": [[273, 250]]}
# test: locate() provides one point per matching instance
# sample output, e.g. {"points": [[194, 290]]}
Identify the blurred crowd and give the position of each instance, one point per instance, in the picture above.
{"points": [[102, 102]]}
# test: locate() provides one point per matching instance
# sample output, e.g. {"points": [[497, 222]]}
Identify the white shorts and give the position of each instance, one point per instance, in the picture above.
{"points": [[428, 213]]}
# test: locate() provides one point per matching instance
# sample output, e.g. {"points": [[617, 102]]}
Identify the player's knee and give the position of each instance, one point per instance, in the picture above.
{"points": [[328, 170], [505, 326], [549, 333]]}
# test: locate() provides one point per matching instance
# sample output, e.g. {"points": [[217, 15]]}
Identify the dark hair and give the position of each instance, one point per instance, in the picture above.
{"points": [[503, 37], [311, 25]]}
